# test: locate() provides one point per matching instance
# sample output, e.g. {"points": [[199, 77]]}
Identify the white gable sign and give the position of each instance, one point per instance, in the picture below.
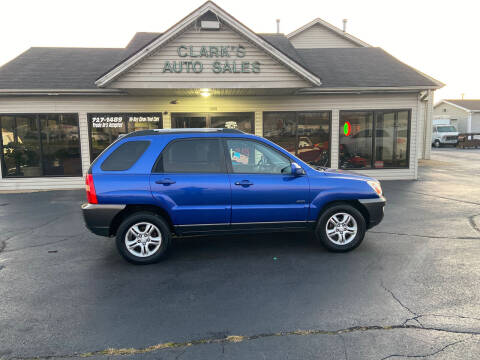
{"points": [[219, 58]]}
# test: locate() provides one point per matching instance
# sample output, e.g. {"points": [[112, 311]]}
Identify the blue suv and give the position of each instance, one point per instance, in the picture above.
{"points": [[152, 184]]}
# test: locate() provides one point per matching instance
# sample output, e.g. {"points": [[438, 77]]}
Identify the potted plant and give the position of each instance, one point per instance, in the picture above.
{"points": [[23, 158]]}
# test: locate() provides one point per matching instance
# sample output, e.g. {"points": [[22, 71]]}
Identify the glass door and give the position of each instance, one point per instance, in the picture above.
{"points": [[391, 139], [384, 139]]}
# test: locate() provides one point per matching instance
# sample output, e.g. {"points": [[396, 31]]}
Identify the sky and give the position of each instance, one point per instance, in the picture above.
{"points": [[440, 38]]}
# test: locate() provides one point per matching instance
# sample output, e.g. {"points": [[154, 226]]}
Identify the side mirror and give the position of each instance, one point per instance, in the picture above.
{"points": [[297, 170]]}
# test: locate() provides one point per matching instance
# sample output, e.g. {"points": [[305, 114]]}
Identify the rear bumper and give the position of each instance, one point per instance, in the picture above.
{"points": [[375, 210], [98, 217]]}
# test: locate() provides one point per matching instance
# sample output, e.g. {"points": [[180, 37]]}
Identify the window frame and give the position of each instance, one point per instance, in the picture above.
{"points": [[373, 130], [224, 169], [39, 130], [90, 127], [229, 162], [297, 112]]}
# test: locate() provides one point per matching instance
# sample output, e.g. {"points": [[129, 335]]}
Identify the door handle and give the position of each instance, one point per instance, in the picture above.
{"points": [[165, 182], [244, 183]]}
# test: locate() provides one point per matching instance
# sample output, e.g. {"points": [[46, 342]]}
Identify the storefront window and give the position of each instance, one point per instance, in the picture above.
{"points": [[241, 121], [40, 145], [355, 139], [105, 128], [60, 139], [304, 134], [9, 152], [373, 139]]}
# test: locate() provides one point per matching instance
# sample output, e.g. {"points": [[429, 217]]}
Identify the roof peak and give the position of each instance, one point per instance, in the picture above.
{"points": [[332, 28], [235, 25]]}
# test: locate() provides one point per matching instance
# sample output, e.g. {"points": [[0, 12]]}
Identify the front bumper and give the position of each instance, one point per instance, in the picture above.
{"points": [[374, 208], [99, 217]]}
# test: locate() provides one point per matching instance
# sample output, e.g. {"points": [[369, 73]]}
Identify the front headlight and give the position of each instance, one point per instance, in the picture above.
{"points": [[375, 185]]}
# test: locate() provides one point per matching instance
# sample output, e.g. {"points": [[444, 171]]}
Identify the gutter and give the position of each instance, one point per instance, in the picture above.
{"points": [[363, 90], [57, 92]]}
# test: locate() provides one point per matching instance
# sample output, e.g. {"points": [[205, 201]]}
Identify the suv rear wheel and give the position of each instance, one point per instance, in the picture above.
{"points": [[341, 228], [143, 238]]}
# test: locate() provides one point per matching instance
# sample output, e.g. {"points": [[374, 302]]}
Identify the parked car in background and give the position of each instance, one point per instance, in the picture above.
{"points": [[444, 135], [152, 184]]}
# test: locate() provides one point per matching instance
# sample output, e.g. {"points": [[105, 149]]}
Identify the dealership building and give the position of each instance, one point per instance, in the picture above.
{"points": [[323, 94]]}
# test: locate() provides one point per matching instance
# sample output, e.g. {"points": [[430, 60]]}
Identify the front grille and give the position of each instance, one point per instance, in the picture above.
{"points": [[451, 138]]}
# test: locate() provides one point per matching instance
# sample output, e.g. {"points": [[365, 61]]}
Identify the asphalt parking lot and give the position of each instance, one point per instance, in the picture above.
{"points": [[412, 289]]}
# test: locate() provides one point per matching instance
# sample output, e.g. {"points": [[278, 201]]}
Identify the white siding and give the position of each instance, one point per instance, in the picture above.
{"points": [[149, 72], [84, 143], [475, 122], [335, 130], [451, 112], [318, 36], [259, 123], [420, 127], [427, 125], [42, 183], [257, 104]]}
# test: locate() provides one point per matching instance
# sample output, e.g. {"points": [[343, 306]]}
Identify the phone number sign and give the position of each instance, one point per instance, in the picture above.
{"points": [[119, 120]]}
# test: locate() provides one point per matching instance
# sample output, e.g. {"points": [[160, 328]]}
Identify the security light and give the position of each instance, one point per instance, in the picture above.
{"points": [[210, 25]]}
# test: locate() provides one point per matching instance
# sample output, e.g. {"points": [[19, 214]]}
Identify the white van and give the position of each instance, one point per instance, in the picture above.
{"points": [[444, 135]]}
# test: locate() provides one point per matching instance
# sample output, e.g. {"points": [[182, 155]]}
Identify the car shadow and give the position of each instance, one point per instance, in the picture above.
{"points": [[238, 245]]}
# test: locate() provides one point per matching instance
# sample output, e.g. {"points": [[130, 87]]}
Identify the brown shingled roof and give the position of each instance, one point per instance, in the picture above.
{"points": [[473, 105]]}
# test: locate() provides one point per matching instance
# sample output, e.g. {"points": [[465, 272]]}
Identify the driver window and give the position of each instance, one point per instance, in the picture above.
{"points": [[251, 157]]}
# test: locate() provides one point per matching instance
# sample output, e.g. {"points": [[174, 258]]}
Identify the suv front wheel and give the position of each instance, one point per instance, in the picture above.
{"points": [[341, 228], [143, 238]]}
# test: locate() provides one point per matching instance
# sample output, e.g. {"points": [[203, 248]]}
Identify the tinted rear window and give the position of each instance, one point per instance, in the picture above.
{"points": [[125, 156], [192, 156]]}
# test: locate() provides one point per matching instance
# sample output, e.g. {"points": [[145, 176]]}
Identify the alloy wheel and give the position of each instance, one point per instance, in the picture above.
{"points": [[143, 239], [341, 228]]}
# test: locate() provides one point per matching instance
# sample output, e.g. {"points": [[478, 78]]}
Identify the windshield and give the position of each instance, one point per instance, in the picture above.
{"points": [[447, 128]]}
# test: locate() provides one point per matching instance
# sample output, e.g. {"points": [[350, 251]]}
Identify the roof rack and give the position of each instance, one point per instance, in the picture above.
{"points": [[180, 131]]}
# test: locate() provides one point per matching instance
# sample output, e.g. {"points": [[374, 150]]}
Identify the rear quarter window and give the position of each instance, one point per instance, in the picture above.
{"points": [[125, 156]]}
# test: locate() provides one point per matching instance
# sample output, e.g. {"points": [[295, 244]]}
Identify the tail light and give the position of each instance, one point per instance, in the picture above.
{"points": [[90, 188]]}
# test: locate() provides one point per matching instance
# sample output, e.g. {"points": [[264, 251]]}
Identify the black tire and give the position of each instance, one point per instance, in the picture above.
{"points": [[321, 229], [140, 217], [436, 144]]}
